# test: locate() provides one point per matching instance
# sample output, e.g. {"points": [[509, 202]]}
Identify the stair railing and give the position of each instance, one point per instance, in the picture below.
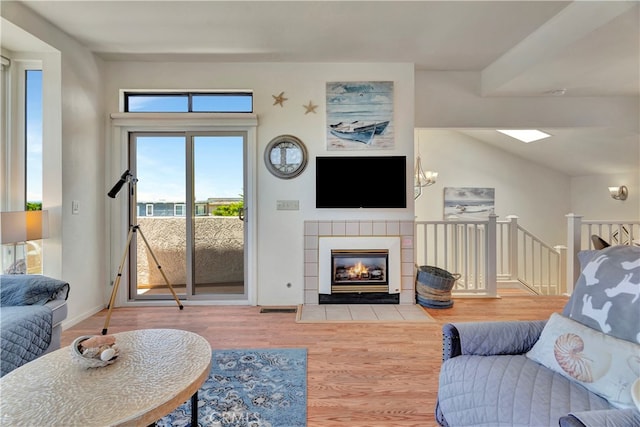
{"points": [[525, 259]]}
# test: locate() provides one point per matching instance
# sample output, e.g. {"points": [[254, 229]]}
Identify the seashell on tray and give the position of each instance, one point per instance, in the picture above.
{"points": [[102, 354], [586, 365]]}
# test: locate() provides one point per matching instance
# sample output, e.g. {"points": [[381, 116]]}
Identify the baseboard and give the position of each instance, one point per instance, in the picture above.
{"points": [[70, 322]]}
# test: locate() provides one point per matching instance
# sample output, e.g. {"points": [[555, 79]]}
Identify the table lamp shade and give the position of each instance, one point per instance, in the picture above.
{"points": [[22, 226]]}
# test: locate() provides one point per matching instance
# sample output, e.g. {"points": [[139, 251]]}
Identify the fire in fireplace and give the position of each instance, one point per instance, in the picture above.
{"points": [[359, 270]]}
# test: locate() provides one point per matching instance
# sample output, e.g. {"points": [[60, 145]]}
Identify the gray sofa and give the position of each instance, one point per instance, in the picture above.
{"points": [[520, 374], [32, 308]]}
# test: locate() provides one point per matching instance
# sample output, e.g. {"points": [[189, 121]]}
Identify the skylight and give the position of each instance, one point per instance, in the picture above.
{"points": [[525, 135]]}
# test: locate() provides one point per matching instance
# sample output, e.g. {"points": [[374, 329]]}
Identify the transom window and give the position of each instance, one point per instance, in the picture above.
{"points": [[188, 102]]}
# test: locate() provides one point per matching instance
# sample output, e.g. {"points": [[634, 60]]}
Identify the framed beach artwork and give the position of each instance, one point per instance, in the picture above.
{"points": [[360, 115], [468, 203]]}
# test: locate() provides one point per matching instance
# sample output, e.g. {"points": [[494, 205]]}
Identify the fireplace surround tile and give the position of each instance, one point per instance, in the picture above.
{"points": [[393, 228], [311, 283], [310, 255], [311, 242], [366, 228], [379, 228], [325, 228], [311, 297], [338, 228], [406, 253], [311, 269], [407, 283], [311, 228], [406, 268], [406, 228], [352, 228]]}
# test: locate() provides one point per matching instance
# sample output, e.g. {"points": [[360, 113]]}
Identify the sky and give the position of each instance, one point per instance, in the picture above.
{"points": [[34, 135], [161, 171]]}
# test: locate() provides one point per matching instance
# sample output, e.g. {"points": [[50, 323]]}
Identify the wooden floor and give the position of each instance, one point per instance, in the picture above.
{"points": [[364, 374]]}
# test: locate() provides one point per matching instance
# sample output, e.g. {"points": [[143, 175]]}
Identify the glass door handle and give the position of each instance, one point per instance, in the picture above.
{"points": [[241, 213]]}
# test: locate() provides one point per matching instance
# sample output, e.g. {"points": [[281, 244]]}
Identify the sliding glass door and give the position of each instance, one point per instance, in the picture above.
{"points": [[218, 229], [188, 203]]}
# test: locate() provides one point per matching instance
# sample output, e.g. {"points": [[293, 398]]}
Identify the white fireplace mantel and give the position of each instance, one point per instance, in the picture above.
{"points": [[390, 243]]}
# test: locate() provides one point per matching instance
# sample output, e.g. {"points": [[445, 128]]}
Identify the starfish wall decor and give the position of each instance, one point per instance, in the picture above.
{"points": [[310, 108], [279, 99]]}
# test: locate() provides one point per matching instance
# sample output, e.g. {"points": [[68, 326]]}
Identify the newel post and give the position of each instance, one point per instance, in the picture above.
{"points": [[513, 247], [491, 251], [574, 239]]}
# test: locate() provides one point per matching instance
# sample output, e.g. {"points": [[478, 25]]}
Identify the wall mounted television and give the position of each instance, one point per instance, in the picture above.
{"points": [[361, 182]]}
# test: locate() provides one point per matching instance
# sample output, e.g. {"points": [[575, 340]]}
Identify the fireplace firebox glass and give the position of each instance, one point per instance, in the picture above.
{"points": [[358, 270]]}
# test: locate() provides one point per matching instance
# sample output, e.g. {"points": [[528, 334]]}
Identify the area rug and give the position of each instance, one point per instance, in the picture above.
{"points": [[250, 388]]}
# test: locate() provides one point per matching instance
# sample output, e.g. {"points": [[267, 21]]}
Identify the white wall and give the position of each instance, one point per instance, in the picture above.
{"points": [[537, 195], [73, 153], [590, 197], [280, 255]]}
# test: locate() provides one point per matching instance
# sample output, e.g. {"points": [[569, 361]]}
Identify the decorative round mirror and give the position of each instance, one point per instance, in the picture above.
{"points": [[285, 156]]}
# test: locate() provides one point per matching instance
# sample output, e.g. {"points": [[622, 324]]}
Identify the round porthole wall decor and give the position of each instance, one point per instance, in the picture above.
{"points": [[285, 156]]}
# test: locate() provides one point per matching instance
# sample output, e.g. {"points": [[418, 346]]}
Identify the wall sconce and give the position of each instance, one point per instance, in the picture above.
{"points": [[619, 193], [21, 227]]}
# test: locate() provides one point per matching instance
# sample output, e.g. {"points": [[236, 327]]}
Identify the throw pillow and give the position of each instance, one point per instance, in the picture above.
{"points": [[603, 364], [607, 293]]}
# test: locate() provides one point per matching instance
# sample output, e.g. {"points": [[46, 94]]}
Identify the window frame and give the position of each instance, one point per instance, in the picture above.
{"points": [[179, 207], [190, 95]]}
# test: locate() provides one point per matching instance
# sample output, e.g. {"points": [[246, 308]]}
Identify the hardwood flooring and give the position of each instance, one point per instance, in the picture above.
{"points": [[359, 374]]}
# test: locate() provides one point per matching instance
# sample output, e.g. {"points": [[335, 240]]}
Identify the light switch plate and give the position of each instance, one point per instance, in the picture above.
{"points": [[287, 205]]}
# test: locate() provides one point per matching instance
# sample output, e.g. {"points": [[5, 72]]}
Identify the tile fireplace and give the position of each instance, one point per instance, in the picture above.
{"points": [[371, 260]]}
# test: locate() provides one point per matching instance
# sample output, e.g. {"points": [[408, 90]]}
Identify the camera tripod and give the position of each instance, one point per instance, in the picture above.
{"points": [[116, 284]]}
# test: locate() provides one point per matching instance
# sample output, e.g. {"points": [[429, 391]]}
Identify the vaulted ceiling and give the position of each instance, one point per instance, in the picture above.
{"points": [[521, 48]]}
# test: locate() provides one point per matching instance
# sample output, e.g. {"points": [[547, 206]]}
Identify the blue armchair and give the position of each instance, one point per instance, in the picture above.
{"points": [[489, 375]]}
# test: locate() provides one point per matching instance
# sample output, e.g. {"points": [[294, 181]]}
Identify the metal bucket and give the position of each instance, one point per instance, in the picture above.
{"points": [[433, 286]]}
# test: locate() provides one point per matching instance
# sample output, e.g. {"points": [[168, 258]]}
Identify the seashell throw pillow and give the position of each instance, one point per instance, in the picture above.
{"points": [[605, 365], [607, 293]]}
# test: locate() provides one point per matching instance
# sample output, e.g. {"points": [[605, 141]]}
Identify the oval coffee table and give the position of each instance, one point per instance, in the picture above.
{"points": [[156, 371]]}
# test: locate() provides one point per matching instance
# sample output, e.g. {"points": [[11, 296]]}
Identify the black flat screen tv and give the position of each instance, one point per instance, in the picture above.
{"points": [[361, 182]]}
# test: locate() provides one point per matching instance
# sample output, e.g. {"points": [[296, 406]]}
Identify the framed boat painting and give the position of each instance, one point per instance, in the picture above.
{"points": [[468, 203], [360, 115]]}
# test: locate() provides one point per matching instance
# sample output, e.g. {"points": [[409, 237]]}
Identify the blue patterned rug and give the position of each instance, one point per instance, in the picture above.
{"points": [[250, 388]]}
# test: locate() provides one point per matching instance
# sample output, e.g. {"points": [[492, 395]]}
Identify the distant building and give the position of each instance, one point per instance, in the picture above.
{"points": [[166, 209]]}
